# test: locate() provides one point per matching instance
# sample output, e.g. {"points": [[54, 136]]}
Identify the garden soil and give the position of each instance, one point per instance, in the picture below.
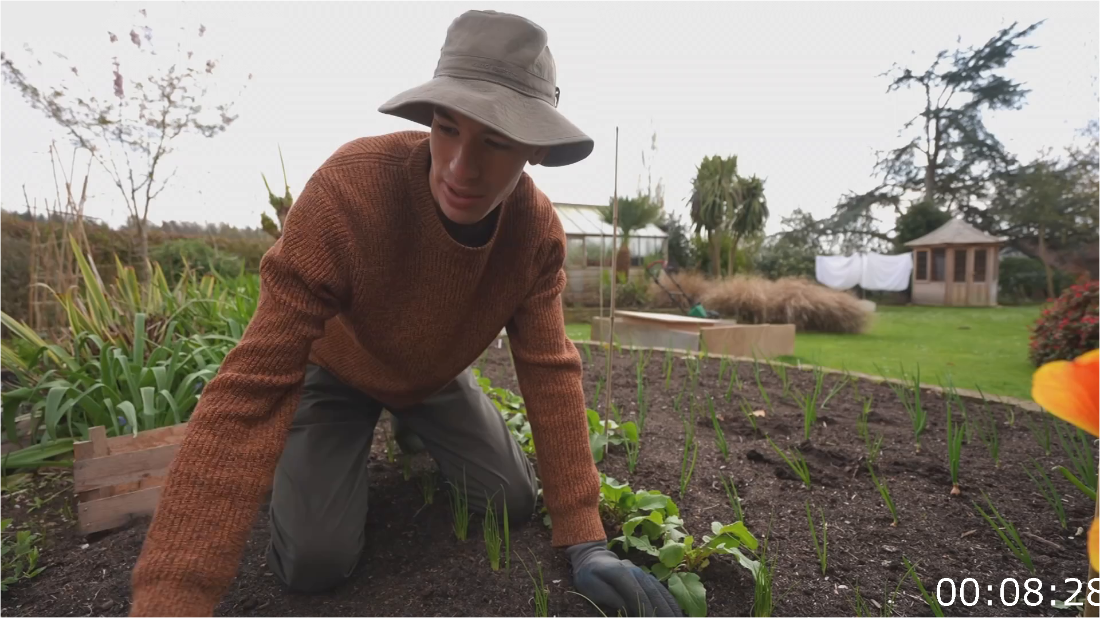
{"points": [[414, 565]]}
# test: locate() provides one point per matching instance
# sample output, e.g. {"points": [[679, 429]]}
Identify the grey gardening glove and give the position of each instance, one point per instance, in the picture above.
{"points": [[610, 582]]}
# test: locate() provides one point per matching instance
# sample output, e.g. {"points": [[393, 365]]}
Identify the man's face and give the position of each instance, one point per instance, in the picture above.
{"points": [[473, 167]]}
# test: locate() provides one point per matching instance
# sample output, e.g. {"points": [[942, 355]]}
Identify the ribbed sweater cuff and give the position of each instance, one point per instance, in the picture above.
{"points": [[578, 526]]}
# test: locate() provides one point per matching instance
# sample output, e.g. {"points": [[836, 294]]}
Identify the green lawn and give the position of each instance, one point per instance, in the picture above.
{"points": [[978, 347]]}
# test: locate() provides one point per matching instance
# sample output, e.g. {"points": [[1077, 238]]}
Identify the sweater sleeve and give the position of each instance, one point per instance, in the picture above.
{"points": [[548, 368], [236, 434]]}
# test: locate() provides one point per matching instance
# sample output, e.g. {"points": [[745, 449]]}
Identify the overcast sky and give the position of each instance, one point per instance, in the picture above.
{"points": [[793, 89]]}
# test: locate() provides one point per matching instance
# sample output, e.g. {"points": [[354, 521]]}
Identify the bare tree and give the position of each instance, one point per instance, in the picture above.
{"points": [[130, 127]]}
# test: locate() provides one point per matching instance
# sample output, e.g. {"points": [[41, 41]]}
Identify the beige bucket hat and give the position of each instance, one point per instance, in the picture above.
{"points": [[497, 69]]}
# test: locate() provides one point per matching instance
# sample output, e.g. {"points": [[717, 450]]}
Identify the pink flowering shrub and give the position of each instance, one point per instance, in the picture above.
{"points": [[1068, 326]]}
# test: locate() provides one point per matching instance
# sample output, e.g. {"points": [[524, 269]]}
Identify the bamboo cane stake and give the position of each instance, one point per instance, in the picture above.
{"points": [[614, 265]]}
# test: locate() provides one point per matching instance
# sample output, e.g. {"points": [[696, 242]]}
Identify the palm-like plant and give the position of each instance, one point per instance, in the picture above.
{"points": [[748, 216], [634, 214], [714, 190]]}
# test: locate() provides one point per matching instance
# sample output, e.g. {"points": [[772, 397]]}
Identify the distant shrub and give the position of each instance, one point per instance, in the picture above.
{"points": [[756, 300], [1023, 280], [1068, 326], [804, 303], [199, 256]]}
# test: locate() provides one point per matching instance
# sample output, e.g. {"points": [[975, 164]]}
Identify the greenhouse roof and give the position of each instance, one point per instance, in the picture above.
{"points": [[586, 220]]}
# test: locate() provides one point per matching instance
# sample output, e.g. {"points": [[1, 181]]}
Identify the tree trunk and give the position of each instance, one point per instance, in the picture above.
{"points": [[143, 251], [1046, 262], [716, 253], [622, 259], [731, 269]]}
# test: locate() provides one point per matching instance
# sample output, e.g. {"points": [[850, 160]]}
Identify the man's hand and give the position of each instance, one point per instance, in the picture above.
{"points": [[619, 584]]}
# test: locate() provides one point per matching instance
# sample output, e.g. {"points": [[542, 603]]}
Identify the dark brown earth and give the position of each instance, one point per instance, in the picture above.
{"points": [[415, 566]]}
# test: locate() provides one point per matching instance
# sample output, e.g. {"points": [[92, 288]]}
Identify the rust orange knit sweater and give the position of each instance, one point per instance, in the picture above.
{"points": [[367, 283]]}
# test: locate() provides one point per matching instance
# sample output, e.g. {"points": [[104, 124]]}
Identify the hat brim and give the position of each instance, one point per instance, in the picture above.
{"points": [[524, 119]]}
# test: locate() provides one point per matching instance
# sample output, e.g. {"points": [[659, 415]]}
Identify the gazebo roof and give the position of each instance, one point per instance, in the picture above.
{"points": [[955, 232], [586, 220]]}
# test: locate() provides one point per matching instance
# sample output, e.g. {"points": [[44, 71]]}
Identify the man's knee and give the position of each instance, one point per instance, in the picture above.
{"points": [[312, 562]]}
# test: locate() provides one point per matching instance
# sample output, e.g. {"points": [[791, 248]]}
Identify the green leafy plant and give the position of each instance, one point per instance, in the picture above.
{"points": [[1007, 532], [954, 450], [884, 492], [796, 462], [587, 353], [460, 509], [822, 548], [719, 435], [1048, 490], [681, 560], [20, 556], [599, 389], [603, 433], [734, 499], [1076, 445], [632, 444]]}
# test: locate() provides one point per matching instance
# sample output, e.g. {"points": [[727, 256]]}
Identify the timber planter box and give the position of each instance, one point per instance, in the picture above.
{"points": [[119, 479]]}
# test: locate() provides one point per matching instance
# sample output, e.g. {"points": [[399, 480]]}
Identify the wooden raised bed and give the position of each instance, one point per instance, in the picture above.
{"points": [[119, 479]]}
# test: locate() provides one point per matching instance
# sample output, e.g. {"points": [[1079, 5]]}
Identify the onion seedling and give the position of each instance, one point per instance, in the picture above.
{"points": [[686, 467], [760, 385], [747, 411], [632, 445], [735, 500], [796, 462], [1007, 532], [719, 435], [1049, 491], [928, 598], [542, 594], [1075, 444], [884, 491], [492, 536], [734, 380], [822, 548], [954, 450], [460, 509], [1041, 433], [427, 486]]}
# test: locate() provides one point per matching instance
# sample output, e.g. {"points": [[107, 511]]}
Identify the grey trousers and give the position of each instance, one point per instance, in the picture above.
{"points": [[319, 501]]}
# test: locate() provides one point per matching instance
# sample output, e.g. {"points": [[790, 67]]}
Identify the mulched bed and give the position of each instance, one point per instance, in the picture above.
{"points": [[415, 566]]}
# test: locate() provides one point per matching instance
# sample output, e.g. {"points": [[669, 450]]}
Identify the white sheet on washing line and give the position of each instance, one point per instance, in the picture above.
{"points": [[886, 273], [870, 271], [840, 272]]}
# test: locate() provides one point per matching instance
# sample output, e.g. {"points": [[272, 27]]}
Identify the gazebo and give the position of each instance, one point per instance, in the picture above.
{"points": [[956, 265]]}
